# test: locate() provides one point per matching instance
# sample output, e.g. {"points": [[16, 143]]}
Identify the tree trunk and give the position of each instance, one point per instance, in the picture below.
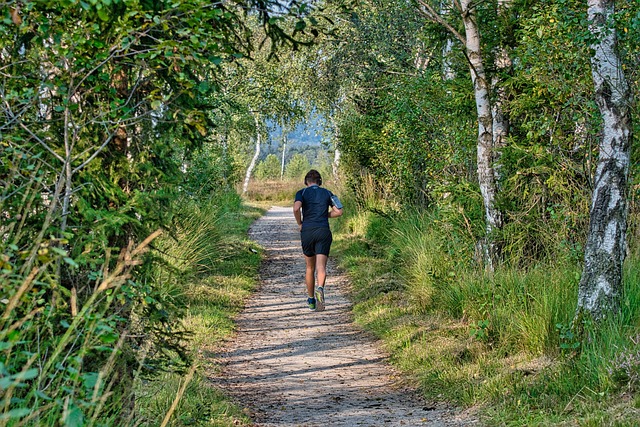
{"points": [[335, 165], [448, 73], [503, 63], [600, 287], [485, 152], [284, 151], [252, 165]]}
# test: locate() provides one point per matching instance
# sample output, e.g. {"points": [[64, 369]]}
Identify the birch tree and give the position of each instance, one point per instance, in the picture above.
{"points": [[482, 92], [600, 286], [284, 152], [256, 155]]}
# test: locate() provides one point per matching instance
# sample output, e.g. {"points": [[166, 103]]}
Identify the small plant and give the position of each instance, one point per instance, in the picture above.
{"points": [[569, 342], [480, 330], [625, 367]]}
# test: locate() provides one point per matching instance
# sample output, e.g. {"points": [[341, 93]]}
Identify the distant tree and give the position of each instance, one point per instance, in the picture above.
{"points": [[269, 168], [323, 164], [297, 167]]}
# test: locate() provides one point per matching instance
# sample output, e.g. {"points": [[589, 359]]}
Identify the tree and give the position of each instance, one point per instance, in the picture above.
{"points": [[102, 104], [600, 286], [256, 154], [486, 153], [269, 168], [297, 167]]}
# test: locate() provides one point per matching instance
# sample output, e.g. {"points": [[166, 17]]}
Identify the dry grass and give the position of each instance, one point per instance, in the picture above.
{"points": [[274, 191]]}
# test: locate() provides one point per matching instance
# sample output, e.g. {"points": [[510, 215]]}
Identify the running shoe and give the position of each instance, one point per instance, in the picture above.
{"points": [[312, 303], [320, 298]]}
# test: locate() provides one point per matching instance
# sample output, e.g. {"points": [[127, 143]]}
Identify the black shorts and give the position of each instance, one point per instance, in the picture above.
{"points": [[316, 241]]}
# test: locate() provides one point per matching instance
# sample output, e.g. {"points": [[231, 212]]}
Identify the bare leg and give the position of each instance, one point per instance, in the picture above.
{"points": [[321, 268], [310, 279]]}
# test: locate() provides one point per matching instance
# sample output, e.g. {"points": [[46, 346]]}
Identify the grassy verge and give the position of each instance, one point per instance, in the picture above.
{"points": [[499, 344], [213, 238]]}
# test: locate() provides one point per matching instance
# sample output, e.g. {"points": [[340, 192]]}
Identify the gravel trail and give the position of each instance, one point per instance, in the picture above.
{"points": [[291, 366]]}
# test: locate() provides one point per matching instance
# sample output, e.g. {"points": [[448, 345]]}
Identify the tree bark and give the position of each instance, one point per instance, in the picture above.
{"points": [[284, 152], [501, 123], [335, 165], [600, 286], [448, 73], [485, 149], [252, 165]]}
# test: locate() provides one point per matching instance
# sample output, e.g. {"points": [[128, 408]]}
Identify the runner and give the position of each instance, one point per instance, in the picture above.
{"points": [[311, 209]]}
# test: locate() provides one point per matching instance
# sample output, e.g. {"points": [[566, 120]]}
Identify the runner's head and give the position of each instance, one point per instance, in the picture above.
{"points": [[313, 177]]}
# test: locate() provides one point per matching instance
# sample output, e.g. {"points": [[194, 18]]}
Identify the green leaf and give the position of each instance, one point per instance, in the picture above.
{"points": [[109, 338], [103, 14], [204, 87], [15, 413], [59, 251], [74, 416], [70, 261], [90, 379], [29, 374]]}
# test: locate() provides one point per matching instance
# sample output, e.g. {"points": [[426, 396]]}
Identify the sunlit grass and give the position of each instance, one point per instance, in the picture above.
{"points": [[213, 295], [273, 191], [498, 343]]}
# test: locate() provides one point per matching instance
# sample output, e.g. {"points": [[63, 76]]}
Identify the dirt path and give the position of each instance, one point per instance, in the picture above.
{"points": [[294, 367]]}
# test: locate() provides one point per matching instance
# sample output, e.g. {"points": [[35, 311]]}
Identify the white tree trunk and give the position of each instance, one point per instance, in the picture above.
{"points": [[284, 152], [252, 165], [500, 121], [335, 166], [485, 153], [448, 72], [601, 282]]}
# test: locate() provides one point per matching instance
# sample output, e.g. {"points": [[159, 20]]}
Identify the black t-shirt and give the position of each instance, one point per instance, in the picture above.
{"points": [[315, 206]]}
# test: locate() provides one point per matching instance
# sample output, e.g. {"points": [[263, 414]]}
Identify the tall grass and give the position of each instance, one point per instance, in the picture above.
{"points": [[218, 265], [273, 191], [66, 368], [98, 361], [500, 342]]}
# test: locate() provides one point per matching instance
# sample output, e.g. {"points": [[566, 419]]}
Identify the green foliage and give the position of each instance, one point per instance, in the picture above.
{"points": [[413, 130], [402, 142], [218, 268], [269, 168], [297, 167], [503, 340], [106, 136]]}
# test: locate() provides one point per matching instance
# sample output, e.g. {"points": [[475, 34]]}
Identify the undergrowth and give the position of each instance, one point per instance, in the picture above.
{"points": [[212, 238], [499, 343]]}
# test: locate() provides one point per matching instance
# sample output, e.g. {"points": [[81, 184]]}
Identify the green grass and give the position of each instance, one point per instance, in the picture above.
{"points": [[499, 343], [225, 273]]}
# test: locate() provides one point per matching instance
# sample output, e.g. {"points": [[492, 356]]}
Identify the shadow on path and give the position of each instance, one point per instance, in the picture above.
{"points": [[294, 367]]}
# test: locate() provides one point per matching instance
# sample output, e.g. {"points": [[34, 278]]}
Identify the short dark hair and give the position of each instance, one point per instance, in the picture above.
{"points": [[313, 176]]}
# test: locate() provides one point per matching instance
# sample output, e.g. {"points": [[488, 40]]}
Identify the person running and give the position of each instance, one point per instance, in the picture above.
{"points": [[311, 210]]}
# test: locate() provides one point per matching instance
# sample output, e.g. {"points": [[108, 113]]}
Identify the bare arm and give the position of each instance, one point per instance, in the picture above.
{"points": [[298, 213], [335, 212]]}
